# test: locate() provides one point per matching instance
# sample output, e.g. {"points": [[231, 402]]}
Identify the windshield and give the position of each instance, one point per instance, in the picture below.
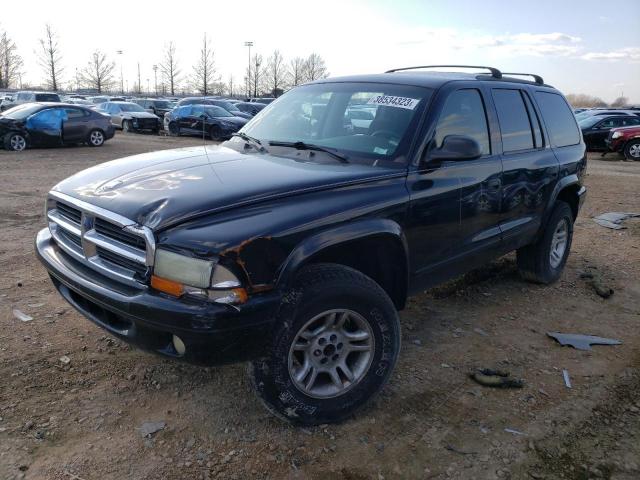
{"points": [[47, 97], [21, 111], [130, 107], [366, 122], [214, 111], [228, 106]]}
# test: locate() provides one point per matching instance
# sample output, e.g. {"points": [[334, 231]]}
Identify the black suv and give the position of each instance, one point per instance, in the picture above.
{"points": [[154, 105], [295, 244]]}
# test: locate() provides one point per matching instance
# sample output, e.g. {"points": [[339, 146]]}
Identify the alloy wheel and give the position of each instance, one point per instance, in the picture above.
{"points": [[18, 143], [559, 243], [331, 353]]}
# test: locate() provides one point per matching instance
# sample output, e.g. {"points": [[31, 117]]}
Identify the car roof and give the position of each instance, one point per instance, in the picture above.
{"points": [[428, 79]]}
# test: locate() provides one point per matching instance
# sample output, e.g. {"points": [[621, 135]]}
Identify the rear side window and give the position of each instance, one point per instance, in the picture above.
{"points": [[559, 119], [514, 120], [75, 113], [464, 114], [630, 121]]}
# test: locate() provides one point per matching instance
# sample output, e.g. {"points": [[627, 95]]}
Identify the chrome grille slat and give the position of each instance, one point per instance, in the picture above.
{"points": [[104, 241]]}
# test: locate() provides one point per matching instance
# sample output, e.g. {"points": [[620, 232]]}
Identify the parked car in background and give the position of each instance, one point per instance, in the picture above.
{"points": [[625, 140], [53, 124], [600, 112], [29, 97], [157, 106], [595, 129], [6, 102], [205, 120], [131, 117], [99, 99], [218, 102], [265, 101], [249, 107]]}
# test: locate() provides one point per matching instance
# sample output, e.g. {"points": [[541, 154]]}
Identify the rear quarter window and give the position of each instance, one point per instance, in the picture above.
{"points": [[559, 119]]}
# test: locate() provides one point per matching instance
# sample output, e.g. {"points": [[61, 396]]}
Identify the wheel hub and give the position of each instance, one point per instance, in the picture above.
{"points": [[331, 353]]}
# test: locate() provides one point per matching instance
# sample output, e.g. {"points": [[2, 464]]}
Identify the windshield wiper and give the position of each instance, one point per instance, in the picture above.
{"points": [[310, 146], [254, 142]]}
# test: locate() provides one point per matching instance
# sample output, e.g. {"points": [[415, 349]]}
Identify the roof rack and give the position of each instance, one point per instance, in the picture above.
{"points": [[538, 79], [495, 73]]}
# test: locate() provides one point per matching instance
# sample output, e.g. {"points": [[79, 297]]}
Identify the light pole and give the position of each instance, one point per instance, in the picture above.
{"points": [[148, 90], [249, 44], [255, 83], [119, 53], [155, 78]]}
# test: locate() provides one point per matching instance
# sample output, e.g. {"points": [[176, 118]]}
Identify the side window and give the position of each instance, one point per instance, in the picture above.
{"points": [[609, 123], [514, 120], [73, 113], [534, 120], [559, 119], [464, 114], [630, 121]]}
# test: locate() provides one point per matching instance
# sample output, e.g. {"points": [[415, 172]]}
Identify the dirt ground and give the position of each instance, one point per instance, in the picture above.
{"points": [[81, 420]]}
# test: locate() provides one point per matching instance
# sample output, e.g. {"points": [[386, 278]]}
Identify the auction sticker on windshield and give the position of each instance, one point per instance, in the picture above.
{"points": [[392, 101]]}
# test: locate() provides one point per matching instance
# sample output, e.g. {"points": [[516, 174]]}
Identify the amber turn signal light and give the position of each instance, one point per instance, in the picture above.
{"points": [[167, 286]]}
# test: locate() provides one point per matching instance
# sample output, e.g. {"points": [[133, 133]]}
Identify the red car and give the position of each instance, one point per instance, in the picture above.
{"points": [[625, 140]]}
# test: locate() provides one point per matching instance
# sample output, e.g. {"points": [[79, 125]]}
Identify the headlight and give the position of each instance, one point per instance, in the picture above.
{"points": [[616, 135], [178, 275], [179, 268]]}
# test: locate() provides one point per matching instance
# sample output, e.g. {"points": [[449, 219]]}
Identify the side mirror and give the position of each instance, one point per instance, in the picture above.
{"points": [[455, 148]]}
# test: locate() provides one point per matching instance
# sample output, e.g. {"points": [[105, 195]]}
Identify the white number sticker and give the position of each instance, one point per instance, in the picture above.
{"points": [[391, 101]]}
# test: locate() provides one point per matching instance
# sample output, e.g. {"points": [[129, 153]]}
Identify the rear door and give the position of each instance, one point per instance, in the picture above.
{"points": [[530, 169], [74, 128]]}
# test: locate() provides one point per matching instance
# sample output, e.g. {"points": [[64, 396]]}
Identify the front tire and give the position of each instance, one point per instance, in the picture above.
{"points": [[335, 344], [95, 138], [632, 150], [215, 133], [127, 126], [15, 142], [174, 129], [543, 261]]}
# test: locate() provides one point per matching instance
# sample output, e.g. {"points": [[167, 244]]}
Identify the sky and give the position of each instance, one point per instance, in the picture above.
{"points": [[585, 46]]}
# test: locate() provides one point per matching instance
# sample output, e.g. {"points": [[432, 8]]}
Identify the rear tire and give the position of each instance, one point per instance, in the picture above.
{"points": [[544, 260], [335, 343], [95, 138], [15, 142], [215, 133], [632, 150]]}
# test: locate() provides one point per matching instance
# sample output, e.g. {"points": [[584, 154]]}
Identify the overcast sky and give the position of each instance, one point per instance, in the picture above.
{"points": [[586, 46]]}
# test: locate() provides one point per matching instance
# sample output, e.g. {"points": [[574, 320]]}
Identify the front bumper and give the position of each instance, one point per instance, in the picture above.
{"points": [[212, 333], [615, 144]]}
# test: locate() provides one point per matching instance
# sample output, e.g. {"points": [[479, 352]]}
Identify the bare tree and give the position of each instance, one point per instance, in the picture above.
{"points": [[204, 72], [587, 101], [10, 62], [315, 68], [297, 71], [169, 67], [277, 74], [50, 58], [255, 74], [621, 101], [230, 86], [98, 73]]}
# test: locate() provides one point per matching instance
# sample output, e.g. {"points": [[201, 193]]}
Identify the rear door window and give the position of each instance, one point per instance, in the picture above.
{"points": [[559, 119], [514, 120], [464, 114]]}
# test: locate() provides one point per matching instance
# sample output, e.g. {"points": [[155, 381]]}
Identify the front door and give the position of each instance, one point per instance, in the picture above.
{"points": [[45, 127], [455, 205]]}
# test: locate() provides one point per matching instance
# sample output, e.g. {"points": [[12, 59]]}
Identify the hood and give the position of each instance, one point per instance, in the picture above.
{"points": [[160, 189]]}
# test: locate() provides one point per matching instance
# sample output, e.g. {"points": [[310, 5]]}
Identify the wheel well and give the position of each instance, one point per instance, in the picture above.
{"points": [[382, 258], [569, 194]]}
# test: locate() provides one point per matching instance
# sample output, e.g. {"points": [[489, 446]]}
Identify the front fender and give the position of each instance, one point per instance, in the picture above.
{"points": [[357, 230]]}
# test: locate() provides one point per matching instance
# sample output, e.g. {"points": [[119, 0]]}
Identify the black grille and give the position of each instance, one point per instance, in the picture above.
{"points": [[121, 261], [69, 213], [147, 123], [116, 233], [75, 239]]}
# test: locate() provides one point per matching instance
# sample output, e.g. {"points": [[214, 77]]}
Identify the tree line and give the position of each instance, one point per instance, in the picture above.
{"points": [[263, 76], [581, 100]]}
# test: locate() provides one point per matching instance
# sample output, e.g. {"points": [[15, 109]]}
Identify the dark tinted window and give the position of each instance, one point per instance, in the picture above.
{"points": [[514, 120], [464, 114], [535, 121], [47, 97], [75, 113], [610, 123], [630, 121], [560, 122]]}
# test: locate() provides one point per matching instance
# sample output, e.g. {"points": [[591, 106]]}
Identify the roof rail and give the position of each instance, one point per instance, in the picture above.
{"points": [[538, 79], [494, 71]]}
